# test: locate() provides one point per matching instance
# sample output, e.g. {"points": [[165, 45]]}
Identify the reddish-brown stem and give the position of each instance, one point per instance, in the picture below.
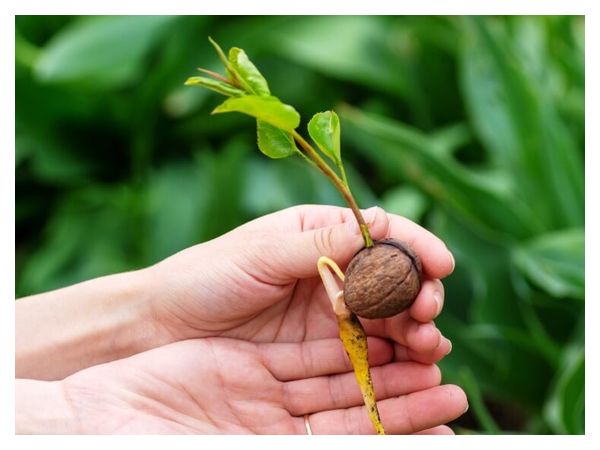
{"points": [[339, 185], [215, 75]]}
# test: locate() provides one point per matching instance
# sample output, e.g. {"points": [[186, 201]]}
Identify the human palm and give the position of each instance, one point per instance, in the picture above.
{"points": [[228, 386], [260, 283]]}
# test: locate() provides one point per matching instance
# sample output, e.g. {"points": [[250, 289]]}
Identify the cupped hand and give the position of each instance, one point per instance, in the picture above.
{"points": [[260, 283], [222, 385]]}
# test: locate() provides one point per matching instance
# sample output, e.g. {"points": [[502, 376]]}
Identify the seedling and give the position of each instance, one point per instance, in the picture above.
{"points": [[383, 278]]}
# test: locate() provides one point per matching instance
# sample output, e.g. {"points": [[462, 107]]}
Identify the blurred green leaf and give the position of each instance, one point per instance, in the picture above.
{"points": [[215, 85], [566, 406], [274, 142], [49, 160], [486, 262], [173, 225], [25, 52], [405, 201], [324, 129], [96, 219], [476, 403], [395, 146], [520, 128], [223, 208], [555, 262], [386, 47], [55, 165], [101, 51], [268, 109], [450, 138], [247, 73], [396, 56], [269, 187], [321, 42], [496, 357]]}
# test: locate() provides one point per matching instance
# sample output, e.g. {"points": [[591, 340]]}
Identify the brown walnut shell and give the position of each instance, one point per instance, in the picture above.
{"points": [[383, 280]]}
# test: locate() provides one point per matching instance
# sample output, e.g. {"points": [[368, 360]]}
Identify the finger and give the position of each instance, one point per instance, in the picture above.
{"points": [[429, 302], [420, 337], [321, 231], [437, 260], [299, 236], [406, 414], [341, 391], [439, 430], [299, 360], [402, 353], [402, 329]]}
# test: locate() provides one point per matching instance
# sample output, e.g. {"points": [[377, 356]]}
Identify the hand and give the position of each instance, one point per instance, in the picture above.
{"points": [[220, 385], [260, 282]]}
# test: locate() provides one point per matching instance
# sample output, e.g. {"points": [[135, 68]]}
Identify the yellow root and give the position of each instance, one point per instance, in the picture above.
{"points": [[353, 337]]}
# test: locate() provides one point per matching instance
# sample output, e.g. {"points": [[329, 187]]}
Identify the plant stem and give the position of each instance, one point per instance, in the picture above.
{"points": [[215, 75], [341, 186]]}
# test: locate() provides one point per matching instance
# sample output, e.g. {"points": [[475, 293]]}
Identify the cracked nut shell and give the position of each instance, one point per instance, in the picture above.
{"points": [[383, 280]]}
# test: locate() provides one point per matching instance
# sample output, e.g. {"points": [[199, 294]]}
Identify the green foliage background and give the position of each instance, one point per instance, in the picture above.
{"points": [[474, 127]]}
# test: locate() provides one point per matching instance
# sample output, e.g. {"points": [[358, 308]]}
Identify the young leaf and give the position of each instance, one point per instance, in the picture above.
{"points": [[215, 85], [268, 109], [274, 142], [223, 58], [248, 75], [324, 129]]}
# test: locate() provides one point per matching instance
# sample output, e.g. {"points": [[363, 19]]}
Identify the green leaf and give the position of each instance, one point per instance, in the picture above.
{"points": [[565, 408], [486, 264], [101, 51], [388, 54], [225, 172], [274, 142], [476, 401], [268, 109], [59, 260], [519, 124], [270, 187], [367, 57], [181, 219], [496, 362], [215, 85], [399, 149], [223, 58], [247, 73], [324, 129], [555, 262], [405, 201]]}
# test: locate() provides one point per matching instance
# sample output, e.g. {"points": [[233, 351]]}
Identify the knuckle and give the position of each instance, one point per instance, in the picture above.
{"points": [[323, 239]]}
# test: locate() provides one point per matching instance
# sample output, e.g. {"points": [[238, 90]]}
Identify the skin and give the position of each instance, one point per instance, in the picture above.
{"points": [[219, 385], [235, 335], [272, 264]]}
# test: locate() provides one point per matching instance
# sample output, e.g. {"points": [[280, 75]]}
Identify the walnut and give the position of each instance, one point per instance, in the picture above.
{"points": [[383, 280]]}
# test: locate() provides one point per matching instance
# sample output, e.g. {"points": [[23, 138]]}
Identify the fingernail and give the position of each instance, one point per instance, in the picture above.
{"points": [[466, 409], [453, 261], [450, 349], [440, 338], [437, 298], [369, 214]]}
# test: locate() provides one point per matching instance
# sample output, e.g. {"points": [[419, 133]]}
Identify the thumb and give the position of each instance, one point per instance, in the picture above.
{"points": [[297, 253]]}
